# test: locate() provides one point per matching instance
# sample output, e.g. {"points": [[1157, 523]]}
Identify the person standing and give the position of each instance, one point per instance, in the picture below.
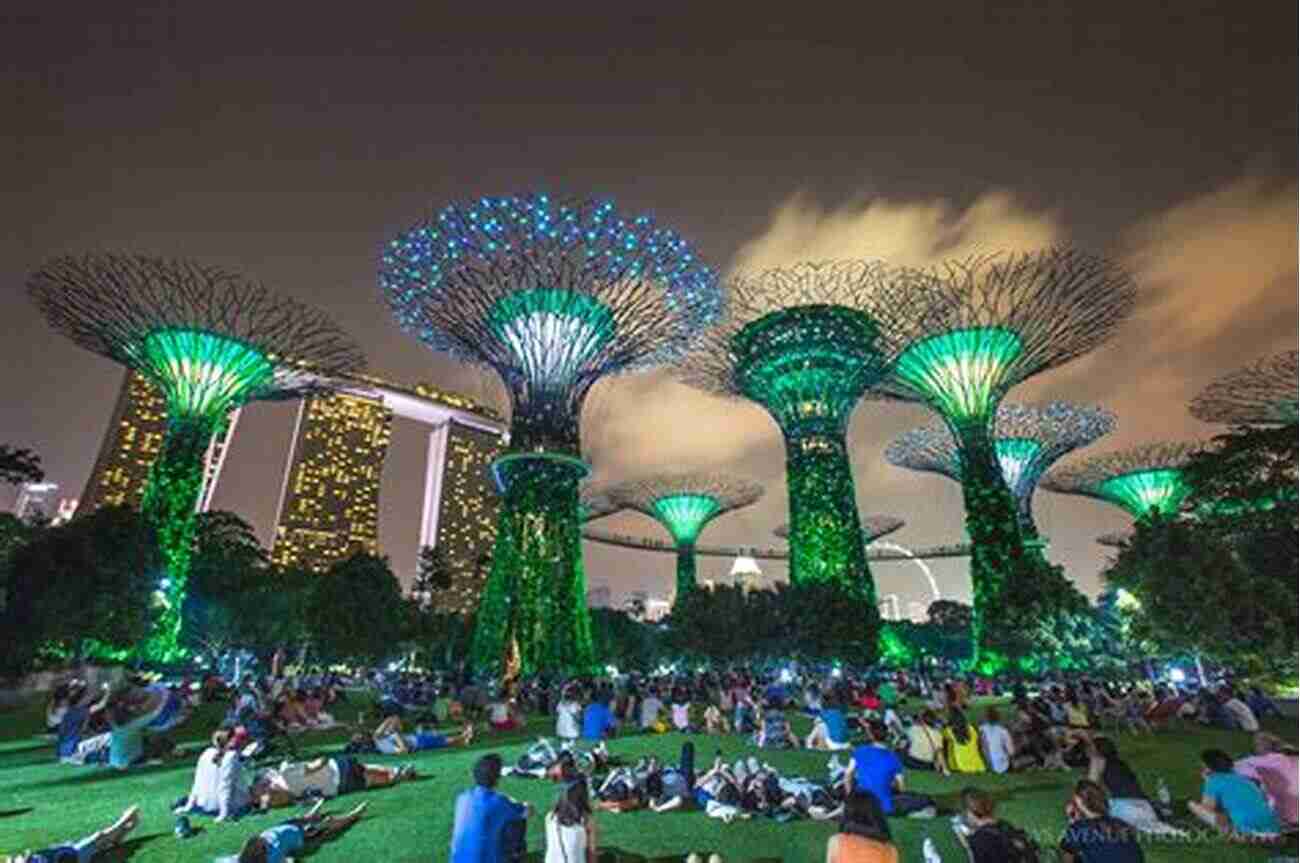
{"points": [[489, 827]]}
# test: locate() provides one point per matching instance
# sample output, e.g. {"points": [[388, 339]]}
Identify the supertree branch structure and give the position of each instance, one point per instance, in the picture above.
{"points": [[1263, 393], [552, 295], [594, 501], [1144, 480], [873, 527], [807, 343], [684, 503], [1115, 539], [210, 341], [1004, 318], [1027, 440]]}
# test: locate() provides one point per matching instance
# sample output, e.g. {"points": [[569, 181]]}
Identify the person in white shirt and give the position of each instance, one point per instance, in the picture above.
{"points": [[323, 777], [570, 827], [568, 718], [651, 707], [204, 790], [996, 743]]}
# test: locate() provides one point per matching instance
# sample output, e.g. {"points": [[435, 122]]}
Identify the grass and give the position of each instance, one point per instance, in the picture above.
{"points": [[42, 802]]}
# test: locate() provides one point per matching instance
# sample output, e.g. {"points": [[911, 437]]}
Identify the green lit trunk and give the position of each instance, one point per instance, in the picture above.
{"points": [[685, 568], [536, 593], [170, 497], [993, 524], [825, 531]]}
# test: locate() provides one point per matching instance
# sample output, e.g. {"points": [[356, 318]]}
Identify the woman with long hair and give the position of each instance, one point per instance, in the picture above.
{"points": [[570, 829], [961, 744], [863, 836]]}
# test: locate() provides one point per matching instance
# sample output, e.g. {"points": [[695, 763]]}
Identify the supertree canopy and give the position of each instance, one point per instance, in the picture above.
{"points": [[552, 295], [1143, 480], [210, 341], [1263, 393], [873, 527], [1005, 318], [1027, 440], [806, 343], [684, 503]]}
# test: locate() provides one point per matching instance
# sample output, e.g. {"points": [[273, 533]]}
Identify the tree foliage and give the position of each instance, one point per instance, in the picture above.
{"points": [[433, 571], [19, 465], [90, 583], [355, 610]]}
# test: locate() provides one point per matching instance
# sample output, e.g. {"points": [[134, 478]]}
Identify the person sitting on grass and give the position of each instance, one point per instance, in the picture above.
{"points": [[488, 827], [830, 730], [219, 787], [863, 836], [291, 782], [568, 716], [715, 720], [388, 738], [503, 714], [961, 745], [987, 838], [1274, 768], [879, 770], [681, 712], [651, 718], [570, 826], [597, 721], [1094, 836], [279, 843], [87, 849], [925, 744], [1127, 802], [995, 742], [1231, 803], [1261, 705], [774, 731]]}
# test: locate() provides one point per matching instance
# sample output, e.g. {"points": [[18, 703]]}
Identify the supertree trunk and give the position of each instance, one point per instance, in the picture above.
{"points": [[535, 596], [825, 529], [685, 568], [993, 523], [169, 505]]}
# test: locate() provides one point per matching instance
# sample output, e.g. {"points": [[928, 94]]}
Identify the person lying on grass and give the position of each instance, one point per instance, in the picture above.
{"points": [[389, 739], [1231, 803], [85, 850], [291, 782], [564, 764], [279, 843]]}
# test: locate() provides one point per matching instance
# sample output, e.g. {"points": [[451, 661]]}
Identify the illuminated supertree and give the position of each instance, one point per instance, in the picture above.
{"points": [[1028, 439], [552, 296], [210, 341], [873, 527], [1143, 480], [684, 503], [1263, 393], [1005, 319], [806, 343]]}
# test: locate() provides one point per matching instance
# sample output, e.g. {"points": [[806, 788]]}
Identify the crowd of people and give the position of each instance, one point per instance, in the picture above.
{"points": [[873, 742]]}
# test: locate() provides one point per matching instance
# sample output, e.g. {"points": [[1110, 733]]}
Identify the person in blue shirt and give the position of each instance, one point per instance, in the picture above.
{"points": [[489, 827], [597, 722], [877, 769], [86, 850], [830, 730], [282, 842], [1231, 803]]}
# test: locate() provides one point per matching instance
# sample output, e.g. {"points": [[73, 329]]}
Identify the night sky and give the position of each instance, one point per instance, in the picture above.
{"points": [[291, 147]]}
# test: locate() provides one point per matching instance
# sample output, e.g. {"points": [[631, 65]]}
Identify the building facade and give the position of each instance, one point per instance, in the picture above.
{"points": [[131, 445], [329, 505]]}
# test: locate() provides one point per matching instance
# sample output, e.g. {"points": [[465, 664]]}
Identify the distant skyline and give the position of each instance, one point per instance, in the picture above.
{"points": [[291, 149]]}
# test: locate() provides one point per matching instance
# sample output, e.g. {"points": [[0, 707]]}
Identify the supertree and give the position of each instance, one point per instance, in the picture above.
{"points": [[1263, 393], [873, 527], [684, 503], [1027, 439], [1143, 480], [1115, 539], [807, 343], [551, 295], [210, 341], [1004, 319]]}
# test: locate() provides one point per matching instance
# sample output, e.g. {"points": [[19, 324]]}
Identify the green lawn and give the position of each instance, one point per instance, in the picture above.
{"points": [[42, 802]]}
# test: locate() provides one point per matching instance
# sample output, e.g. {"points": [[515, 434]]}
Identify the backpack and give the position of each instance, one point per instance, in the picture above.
{"points": [[1016, 844]]}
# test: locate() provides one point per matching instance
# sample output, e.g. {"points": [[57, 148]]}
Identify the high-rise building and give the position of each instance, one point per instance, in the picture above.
{"points": [[34, 499], [67, 509], [889, 607], [131, 446], [460, 508], [329, 506], [917, 612]]}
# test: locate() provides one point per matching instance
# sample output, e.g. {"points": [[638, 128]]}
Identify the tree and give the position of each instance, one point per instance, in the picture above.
{"points": [[949, 614], [14, 534], [433, 572], [623, 641], [92, 583], [355, 610], [1035, 619], [18, 465]]}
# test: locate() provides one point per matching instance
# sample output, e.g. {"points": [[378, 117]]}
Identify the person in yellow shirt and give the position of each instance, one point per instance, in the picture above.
{"points": [[961, 743]]}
